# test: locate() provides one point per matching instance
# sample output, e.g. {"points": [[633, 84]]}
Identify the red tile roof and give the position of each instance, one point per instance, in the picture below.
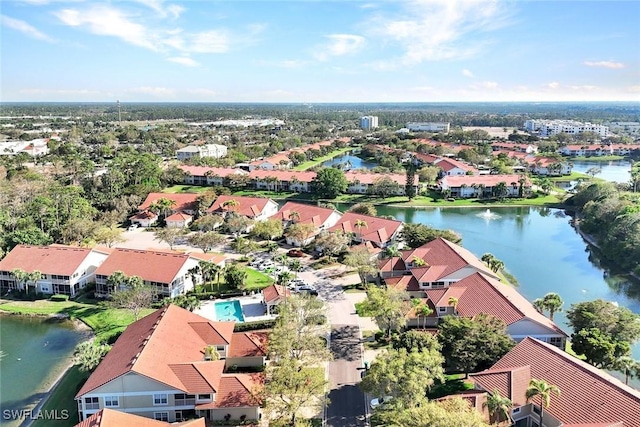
{"points": [[152, 266], [587, 394], [392, 264], [487, 180], [274, 160], [483, 294], [206, 170], [447, 164], [111, 418], [183, 201], [247, 206], [273, 292], [249, 344], [201, 377], [55, 259], [154, 345], [144, 215], [403, 283], [378, 230], [237, 390], [178, 216], [511, 383], [307, 214]]}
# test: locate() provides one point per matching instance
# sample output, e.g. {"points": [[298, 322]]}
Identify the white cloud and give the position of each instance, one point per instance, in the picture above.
{"points": [[59, 91], [24, 28], [434, 30], [163, 11], [339, 45], [158, 92], [184, 60], [109, 21], [604, 64], [208, 42], [467, 73], [202, 92], [552, 85], [489, 85]]}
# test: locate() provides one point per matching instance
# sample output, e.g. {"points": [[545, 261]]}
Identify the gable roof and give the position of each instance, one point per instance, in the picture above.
{"points": [[378, 230], [152, 266], [249, 344], [157, 345], [587, 395], [447, 164], [236, 390], [483, 294], [273, 292], [247, 206], [54, 259], [307, 214], [183, 201], [111, 418]]}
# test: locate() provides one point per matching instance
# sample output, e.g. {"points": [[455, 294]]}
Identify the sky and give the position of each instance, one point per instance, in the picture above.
{"points": [[319, 51]]}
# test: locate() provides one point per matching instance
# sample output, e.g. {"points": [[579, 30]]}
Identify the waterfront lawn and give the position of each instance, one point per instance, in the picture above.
{"points": [[315, 162], [61, 398], [105, 321], [596, 158], [186, 188], [574, 176]]}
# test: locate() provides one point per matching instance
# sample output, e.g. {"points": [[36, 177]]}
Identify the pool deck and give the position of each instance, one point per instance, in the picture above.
{"points": [[252, 308]]}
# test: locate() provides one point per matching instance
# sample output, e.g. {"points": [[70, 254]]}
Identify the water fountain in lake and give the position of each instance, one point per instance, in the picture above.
{"points": [[488, 215]]}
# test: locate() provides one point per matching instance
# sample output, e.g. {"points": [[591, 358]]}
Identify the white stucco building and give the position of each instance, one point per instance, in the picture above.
{"points": [[428, 127], [208, 150], [547, 128]]}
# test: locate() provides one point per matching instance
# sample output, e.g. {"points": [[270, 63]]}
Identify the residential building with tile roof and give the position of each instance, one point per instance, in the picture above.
{"points": [[273, 295], [65, 269], [166, 271], [144, 218], [205, 175], [548, 166], [363, 183], [183, 202], [255, 208], [282, 180], [466, 186], [381, 232], [588, 396], [178, 220], [452, 167], [302, 213], [163, 363], [112, 418]]}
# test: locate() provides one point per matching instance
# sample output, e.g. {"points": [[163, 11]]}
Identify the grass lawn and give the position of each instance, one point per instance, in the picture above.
{"points": [[61, 398], [574, 176], [452, 385], [596, 158], [257, 280], [315, 162], [186, 188], [105, 321]]}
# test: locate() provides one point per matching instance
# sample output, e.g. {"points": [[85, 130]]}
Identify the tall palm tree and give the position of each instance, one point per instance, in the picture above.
{"points": [[418, 262], [426, 311], [629, 367], [553, 303], [496, 265], [499, 407], [544, 390], [416, 303], [21, 277], [359, 225], [294, 216], [538, 304], [487, 258], [453, 301], [391, 251], [230, 205]]}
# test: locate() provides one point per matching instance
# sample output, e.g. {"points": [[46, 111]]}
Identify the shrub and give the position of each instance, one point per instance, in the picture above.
{"points": [[59, 297], [252, 326]]}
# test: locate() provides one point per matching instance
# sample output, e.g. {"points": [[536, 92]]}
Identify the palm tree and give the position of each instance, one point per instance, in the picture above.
{"points": [[487, 258], [162, 206], [284, 278], [416, 303], [359, 225], [453, 301], [496, 265], [544, 390], [426, 311], [391, 251], [295, 266], [418, 262], [628, 366], [553, 303], [499, 407], [230, 205], [21, 277], [294, 217], [538, 304]]}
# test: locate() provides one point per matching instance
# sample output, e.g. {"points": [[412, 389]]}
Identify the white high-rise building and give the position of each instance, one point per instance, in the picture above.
{"points": [[369, 122]]}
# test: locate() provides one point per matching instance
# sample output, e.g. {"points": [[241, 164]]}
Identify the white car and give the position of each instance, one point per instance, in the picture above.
{"points": [[379, 401], [132, 227]]}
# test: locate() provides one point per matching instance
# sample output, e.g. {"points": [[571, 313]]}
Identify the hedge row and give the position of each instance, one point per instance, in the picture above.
{"points": [[252, 326]]}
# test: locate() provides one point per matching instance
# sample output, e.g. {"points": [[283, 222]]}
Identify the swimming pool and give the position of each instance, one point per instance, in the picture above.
{"points": [[229, 311]]}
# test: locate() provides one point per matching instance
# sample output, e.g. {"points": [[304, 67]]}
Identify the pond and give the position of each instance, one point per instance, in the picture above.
{"points": [[612, 170], [36, 352], [350, 162]]}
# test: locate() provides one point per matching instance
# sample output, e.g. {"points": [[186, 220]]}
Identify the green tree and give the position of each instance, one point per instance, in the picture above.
{"points": [[244, 246], [235, 276], [132, 294], [171, 236], [300, 232], [329, 183], [270, 229], [628, 366], [416, 340], [403, 374], [543, 390], [332, 243], [499, 407], [552, 303], [410, 189], [360, 259], [384, 187], [452, 412], [363, 209], [89, 354], [473, 344], [108, 235], [206, 241], [386, 305], [416, 235], [236, 224]]}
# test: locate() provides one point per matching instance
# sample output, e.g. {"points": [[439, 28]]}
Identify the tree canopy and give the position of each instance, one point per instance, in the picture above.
{"points": [[329, 183], [416, 235]]}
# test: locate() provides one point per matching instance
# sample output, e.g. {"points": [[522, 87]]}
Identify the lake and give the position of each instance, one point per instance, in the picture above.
{"points": [[37, 350], [612, 170], [349, 161], [539, 247]]}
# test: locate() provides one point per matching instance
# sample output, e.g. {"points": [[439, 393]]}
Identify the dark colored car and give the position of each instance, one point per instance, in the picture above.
{"points": [[295, 253]]}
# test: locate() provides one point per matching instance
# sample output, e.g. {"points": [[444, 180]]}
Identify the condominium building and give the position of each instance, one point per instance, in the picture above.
{"points": [[429, 127], [369, 122], [208, 150], [547, 128]]}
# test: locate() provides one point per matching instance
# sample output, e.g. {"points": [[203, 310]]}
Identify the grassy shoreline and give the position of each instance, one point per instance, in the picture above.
{"points": [[315, 162]]}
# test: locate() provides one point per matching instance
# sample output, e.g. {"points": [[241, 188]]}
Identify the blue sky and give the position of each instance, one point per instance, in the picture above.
{"points": [[320, 51]]}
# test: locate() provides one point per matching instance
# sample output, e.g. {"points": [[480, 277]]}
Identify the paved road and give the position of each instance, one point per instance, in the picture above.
{"points": [[347, 403]]}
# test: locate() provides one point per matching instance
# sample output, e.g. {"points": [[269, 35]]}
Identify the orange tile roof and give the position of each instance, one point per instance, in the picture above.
{"points": [[58, 259], [111, 418], [238, 390], [178, 216], [274, 160], [307, 214], [249, 344], [152, 266], [587, 395], [247, 206], [403, 283], [201, 377], [448, 164], [378, 230], [144, 215], [183, 201], [209, 257], [206, 170], [392, 264], [273, 292], [167, 337]]}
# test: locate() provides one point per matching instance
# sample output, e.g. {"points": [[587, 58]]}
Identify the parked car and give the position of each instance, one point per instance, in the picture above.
{"points": [[379, 401], [132, 227], [295, 253], [307, 289]]}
